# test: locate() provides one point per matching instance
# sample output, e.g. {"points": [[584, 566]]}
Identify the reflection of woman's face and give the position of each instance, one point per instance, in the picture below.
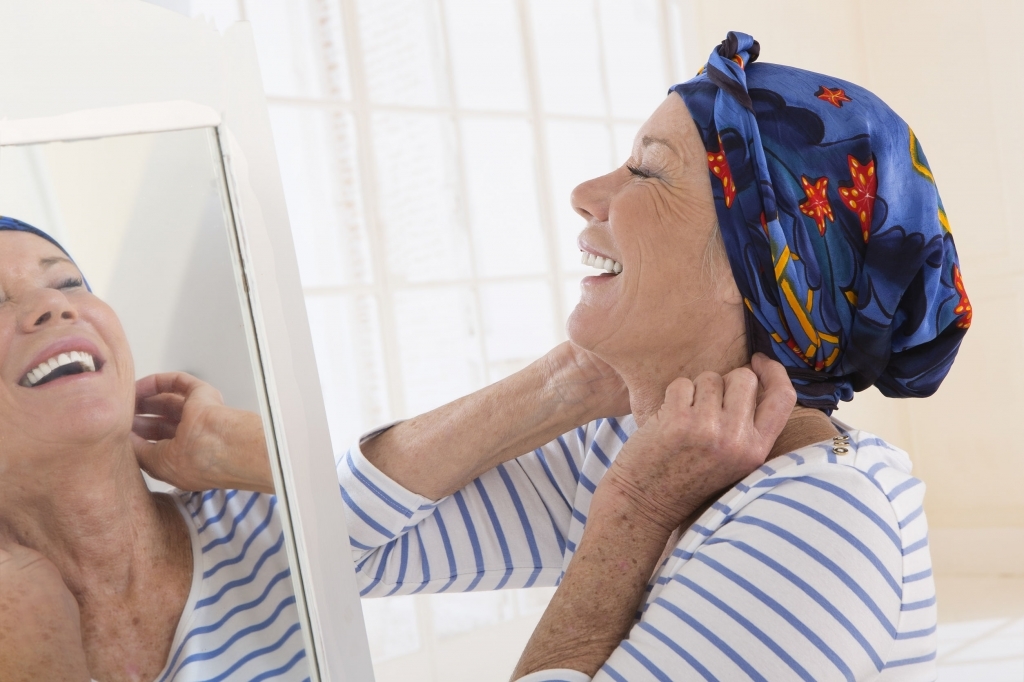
{"points": [[49, 319], [656, 217]]}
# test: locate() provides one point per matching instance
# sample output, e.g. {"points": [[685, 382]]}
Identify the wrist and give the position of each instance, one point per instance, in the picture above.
{"points": [[541, 404], [243, 461], [653, 511], [565, 391]]}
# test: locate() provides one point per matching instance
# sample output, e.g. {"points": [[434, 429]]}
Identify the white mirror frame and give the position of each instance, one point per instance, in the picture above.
{"points": [[208, 80]]}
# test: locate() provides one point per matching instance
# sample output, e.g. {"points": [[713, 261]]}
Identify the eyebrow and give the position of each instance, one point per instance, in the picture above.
{"points": [[53, 260], [648, 140]]}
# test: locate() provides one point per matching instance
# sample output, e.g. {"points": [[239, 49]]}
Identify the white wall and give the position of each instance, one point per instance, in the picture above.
{"points": [[142, 217]]}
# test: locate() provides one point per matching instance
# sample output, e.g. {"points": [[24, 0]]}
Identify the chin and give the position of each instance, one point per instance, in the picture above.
{"points": [[88, 422], [594, 330], [579, 327]]}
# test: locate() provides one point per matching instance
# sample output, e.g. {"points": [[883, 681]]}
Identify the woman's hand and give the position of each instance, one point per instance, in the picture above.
{"points": [[582, 379], [709, 433], [186, 436], [40, 627]]}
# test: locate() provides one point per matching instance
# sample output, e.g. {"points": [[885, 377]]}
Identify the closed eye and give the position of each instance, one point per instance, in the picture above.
{"points": [[639, 171], [70, 283]]}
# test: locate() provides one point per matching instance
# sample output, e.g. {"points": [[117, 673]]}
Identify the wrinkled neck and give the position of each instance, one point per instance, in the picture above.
{"points": [[648, 379], [88, 511]]}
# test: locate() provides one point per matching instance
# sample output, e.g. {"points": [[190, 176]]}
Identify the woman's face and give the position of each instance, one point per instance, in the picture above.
{"points": [[674, 306], [48, 319]]}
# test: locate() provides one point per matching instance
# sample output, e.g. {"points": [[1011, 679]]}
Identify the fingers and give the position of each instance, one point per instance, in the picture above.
{"points": [[18, 557], [147, 454], [740, 397], [709, 389], [154, 428], [778, 399], [178, 383], [679, 393], [167, 405]]}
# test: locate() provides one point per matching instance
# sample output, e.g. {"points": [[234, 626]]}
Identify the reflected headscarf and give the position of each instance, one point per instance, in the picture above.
{"points": [[13, 225], [833, 227]]}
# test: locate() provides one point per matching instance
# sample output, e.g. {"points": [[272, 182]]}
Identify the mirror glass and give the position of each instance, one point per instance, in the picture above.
{"points": [[147, 220]]}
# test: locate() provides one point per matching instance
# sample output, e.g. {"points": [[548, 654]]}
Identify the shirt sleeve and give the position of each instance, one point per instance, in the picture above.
{"points": [[804, 582], [506, 529]]}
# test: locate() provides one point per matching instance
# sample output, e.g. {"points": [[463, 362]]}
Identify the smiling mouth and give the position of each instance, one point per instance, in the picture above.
{"points": [[607, 264], [61, 365]]}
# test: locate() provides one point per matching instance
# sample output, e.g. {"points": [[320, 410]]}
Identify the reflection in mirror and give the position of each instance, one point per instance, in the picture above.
{"points": [[171, 585]]}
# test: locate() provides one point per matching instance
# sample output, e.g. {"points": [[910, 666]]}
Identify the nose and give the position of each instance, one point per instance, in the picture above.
{"points": [[46, 308], [590, 199]]}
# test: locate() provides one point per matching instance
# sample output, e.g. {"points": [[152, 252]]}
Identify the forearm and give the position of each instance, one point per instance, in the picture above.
{"points": [[249, 469], [441, 451], [604, 584]]}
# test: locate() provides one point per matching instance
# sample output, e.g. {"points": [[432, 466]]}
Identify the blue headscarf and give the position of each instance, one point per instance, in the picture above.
{"points": [[14, 225], [833, 227]]}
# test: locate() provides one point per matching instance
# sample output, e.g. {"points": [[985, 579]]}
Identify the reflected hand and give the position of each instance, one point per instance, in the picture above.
{"points": [[40, 625], [709, 433], [583, 379], [183, 434]]}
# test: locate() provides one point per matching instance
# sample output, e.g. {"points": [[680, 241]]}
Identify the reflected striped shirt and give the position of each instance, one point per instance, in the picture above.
{"points": [[814, 567], [240, 621]]}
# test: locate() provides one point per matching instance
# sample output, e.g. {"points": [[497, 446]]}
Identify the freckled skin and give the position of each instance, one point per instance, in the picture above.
{"points": [[117, 558]]}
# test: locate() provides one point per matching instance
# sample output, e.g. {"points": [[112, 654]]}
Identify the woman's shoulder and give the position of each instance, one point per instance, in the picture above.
{"points": [[857, 479], [224, 518], [853, 457], [240, 619]]}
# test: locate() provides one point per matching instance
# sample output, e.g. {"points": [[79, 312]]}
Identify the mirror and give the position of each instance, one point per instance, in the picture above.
{"points": [[148, 221]]}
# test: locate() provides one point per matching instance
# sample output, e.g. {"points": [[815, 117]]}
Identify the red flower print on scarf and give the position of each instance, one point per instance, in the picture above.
{"points": [[860, 196], [719, 167], [834, 97], [816, 204], [963, 307]]}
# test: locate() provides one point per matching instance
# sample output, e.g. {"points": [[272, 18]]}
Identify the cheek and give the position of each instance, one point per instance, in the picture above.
{"points": [[7, 330], [108, 326]]}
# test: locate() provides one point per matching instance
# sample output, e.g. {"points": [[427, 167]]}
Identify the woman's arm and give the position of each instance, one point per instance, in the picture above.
{"points": [[202, 444], [441, 451], [505, 529], [802, 583], [707, 435]]}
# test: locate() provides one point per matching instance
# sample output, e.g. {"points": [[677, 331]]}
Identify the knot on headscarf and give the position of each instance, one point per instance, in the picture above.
{"points": [[833, 226], [8, 224], [727, 61]]}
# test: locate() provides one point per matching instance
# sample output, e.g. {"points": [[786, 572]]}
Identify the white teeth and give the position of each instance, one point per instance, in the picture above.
{"points": [[601, 263], [36, 375]]}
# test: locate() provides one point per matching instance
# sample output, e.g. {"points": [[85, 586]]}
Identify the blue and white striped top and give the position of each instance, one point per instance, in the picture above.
{"points": [[240, 621], [814, 567]]}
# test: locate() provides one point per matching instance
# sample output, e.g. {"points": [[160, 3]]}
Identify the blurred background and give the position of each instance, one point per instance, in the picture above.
{"points": [[428, 148]]}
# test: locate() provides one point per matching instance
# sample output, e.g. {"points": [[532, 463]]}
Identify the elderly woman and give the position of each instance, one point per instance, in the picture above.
{"points": [[99, 577], [763, 210]]}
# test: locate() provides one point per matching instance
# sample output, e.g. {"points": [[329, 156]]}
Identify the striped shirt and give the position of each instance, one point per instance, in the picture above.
{"points": [[240, 621], [814, 567]]}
